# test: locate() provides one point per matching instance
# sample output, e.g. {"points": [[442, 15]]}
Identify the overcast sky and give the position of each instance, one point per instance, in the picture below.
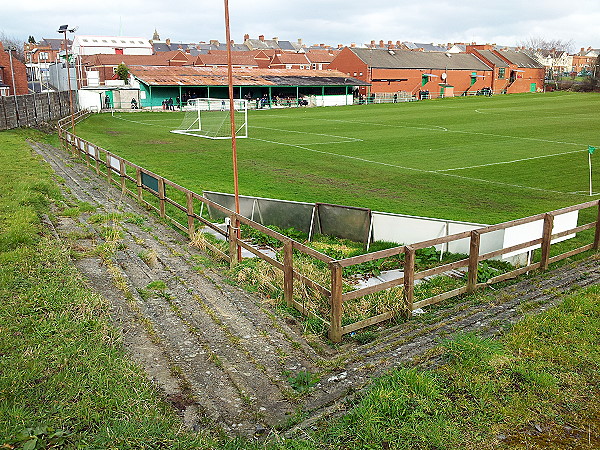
{"points": [[314, 21]]}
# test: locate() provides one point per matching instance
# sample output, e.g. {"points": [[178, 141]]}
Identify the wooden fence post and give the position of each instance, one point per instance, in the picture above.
{"points": [[108, 169], [409, 279], [161, 196], [473, 261], [97, 159], [138, 180], [122, 175], [546, 240], [233, 245], [190, 214], [597, 235], [288, 272], [335, 329]]}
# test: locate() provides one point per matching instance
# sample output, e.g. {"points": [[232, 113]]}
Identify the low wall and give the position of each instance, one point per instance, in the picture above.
{"points": [[33, 109]]}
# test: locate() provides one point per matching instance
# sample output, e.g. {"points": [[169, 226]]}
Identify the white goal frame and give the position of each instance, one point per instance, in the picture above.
{"points": [[201, 106]]}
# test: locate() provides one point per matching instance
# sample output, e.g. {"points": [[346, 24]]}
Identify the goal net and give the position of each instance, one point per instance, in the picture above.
{"points": [[209, 118]]}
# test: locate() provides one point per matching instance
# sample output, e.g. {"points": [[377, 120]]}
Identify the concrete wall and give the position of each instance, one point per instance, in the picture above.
{"points": [[33, 109]]}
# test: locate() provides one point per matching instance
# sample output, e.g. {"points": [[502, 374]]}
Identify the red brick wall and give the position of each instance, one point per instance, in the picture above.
{"points": [[347, 62], [20, 73]]}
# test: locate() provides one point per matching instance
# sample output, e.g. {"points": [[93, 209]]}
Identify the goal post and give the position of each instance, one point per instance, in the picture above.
{"points": [[209, 118]]}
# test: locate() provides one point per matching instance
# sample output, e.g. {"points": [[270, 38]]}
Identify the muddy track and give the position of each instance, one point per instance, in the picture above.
{"points": [[223, 356]]}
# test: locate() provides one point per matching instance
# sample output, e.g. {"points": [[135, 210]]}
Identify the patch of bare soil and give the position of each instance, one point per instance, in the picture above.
{"points": [[224, 357]]}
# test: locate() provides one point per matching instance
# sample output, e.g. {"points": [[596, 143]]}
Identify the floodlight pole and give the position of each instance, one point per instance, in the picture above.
{"points": [[236, 224], [14, 86], [64, 31]]}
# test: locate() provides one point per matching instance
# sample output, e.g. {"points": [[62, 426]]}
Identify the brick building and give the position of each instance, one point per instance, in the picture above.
{"points": [[6, 74], [441, 74]]}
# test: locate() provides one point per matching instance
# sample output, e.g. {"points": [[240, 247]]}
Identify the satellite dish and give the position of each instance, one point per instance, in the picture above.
{"points": [[444, 76]]}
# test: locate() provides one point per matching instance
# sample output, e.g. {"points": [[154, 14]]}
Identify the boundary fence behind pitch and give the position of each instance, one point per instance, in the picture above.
{"points": [[33, 109], [183, 208]]}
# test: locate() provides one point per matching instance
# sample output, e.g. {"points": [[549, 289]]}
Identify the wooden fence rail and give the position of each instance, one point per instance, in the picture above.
{"points": [[124, 174]]}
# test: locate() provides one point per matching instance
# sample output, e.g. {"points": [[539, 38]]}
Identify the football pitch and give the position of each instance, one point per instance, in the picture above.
{"points": [[474, 159]]}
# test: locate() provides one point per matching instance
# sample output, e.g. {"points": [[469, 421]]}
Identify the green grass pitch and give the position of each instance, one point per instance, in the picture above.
{"points": [[475, 159]]}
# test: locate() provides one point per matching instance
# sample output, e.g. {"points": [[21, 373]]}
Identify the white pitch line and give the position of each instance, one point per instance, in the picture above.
{"points": [[141, 123], [509, 162], [348, 139], [500, 183], [456, 131]]}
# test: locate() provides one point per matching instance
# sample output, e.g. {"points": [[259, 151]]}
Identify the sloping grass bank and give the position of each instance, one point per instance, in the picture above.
{"points": [[64, 379], [536, 387]]}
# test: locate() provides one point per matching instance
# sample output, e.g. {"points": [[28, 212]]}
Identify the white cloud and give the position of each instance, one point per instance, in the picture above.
{"points": [[330, 21]]}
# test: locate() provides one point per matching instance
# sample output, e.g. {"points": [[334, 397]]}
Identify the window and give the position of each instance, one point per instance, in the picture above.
{"points": [[424, 79], [94, 40], [104, 40], [501, 72], [113, 41], [361, 74]]}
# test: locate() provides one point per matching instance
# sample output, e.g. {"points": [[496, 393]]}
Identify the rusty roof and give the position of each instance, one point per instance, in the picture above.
{"points": [[210, 76], [159, 59]]}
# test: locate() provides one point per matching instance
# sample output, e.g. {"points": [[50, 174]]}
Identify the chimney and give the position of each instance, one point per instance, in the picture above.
{"points": [[214, 42], [381, 43], [321, 45], [340, 46], [373, 43], [299, 41], [261, 37], [276, 39], [246, 37], [353, 45], [389, 43], [168, 41], [398, 43]]}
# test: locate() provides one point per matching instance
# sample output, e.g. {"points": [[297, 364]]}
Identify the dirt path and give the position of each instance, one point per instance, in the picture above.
{"points": [[224, 357]]}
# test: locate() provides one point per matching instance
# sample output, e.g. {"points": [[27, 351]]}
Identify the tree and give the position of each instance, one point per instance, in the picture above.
{"points": [[11, 41], [123, 72], [540, 43]]}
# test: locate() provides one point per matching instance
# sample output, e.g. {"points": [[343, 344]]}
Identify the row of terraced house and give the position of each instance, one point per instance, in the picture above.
{"points": [[274, 68]]}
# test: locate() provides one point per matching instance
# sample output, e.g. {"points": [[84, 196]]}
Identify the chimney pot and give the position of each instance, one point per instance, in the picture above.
{"points": [[246, 37], [168, 41], [381, 43], [353, 44], [261, 37]]}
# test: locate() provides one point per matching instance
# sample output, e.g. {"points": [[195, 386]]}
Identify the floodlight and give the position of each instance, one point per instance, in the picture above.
{"points": [[63, 28]]}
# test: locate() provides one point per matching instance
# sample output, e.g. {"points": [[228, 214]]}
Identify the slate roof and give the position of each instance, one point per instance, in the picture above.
{"points": [[424, 47], [522, 59], [54, 44], [257, 44], [208, 76], [493, 58], [406, 59]]}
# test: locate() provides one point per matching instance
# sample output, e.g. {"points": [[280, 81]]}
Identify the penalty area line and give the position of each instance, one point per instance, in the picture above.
{"points": [[434, 172], [509, 162]]}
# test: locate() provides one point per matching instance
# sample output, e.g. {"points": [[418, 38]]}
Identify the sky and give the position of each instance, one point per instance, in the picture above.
{"points": [[330, 22]]}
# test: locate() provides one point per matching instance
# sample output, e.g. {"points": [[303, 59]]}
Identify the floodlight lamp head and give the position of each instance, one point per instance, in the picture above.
{"points": [[63, 28], [74, 29]]}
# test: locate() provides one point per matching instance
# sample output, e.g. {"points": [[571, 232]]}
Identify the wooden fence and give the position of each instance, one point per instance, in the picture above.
{"points": [[171, 200]]}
